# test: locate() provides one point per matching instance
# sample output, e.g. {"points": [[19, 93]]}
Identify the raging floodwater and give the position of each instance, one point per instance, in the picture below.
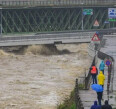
{"points": [[33, 81]]}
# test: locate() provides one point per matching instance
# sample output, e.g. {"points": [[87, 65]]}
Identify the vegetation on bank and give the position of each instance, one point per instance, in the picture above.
{"points": [[69, 103]]}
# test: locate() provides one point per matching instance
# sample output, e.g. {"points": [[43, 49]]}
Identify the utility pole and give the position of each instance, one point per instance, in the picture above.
{"points": [[0, 21], [82, 18]]}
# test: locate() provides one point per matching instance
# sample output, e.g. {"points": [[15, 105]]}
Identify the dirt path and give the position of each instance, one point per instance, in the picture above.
{"points": [[40, 82]]}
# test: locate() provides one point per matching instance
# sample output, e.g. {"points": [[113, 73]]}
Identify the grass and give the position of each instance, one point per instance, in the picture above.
{"points": [[69, 103], [111, 96], [81, 86]]}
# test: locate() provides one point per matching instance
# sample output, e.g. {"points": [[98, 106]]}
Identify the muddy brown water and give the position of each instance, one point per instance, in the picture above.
{"points": [[34, 81]]}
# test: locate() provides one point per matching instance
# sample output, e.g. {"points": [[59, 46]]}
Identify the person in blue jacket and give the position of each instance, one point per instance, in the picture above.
{"points": [[95, 106], [101, 66]]}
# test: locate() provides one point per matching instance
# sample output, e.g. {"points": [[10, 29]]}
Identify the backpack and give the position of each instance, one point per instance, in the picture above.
{"points": [[94, 70]]}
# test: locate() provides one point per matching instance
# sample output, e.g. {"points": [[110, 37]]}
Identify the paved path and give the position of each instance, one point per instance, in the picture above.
{"points": [[89, 96]]}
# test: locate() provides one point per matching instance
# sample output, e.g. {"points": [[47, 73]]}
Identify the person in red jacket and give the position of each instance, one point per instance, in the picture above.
{"points": [[94, 72]]}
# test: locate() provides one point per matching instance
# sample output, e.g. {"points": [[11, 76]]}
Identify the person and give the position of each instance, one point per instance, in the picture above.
{"points": [[94, 73], [99, 97], [98, 107], [101, 78], [95, 106], [102, 66], [106, 105]]}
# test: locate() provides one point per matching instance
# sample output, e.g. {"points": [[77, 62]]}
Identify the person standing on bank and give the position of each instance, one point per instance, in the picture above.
{"points": [[106, 105], [101, 78], [102, 66], [99, 97], [94, 73], [95, 106]]}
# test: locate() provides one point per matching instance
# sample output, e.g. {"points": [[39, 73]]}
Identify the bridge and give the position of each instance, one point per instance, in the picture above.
{"points": [[34, 16], [52, 21], [57, 21], [34, 21], [54, 38]]}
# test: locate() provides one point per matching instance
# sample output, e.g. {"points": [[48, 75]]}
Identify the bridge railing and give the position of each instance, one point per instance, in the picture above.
{"points": [[79, 35], [56, 2]]}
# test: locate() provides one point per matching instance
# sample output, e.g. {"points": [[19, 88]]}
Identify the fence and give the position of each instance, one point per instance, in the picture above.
{"points": [[104, 56], [78, 101], [93, 53], [87, 82], [57, 2], [88, 78]]}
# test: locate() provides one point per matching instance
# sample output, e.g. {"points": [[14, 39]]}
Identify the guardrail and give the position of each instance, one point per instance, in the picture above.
{"points": [[61, 34], [101, 31], [93, 51], [78, 101], [51, 35], [57, 2], [87, 80], [78, 35], [46, 39], [104, 56], [88, 77]]}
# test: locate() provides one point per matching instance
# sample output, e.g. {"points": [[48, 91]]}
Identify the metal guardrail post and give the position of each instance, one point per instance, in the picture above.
{"points": [[108, 82], [78, 101], [0, 22], [76, 91], [112, 76], [85, 82]]}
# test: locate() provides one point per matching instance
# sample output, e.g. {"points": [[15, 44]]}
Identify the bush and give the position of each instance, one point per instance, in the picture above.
{"points": [[81, 86], [69, 103]]}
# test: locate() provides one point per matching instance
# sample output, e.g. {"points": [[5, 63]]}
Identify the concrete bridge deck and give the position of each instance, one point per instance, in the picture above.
{"points": [[47, 39], [51, 38]]}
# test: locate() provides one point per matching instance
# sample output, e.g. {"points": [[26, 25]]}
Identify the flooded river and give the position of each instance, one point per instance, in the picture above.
{"points": [[35, 81]]}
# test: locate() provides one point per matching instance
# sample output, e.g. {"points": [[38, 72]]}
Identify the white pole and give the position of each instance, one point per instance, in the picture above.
{"points": [[82, 16], [1, 22]]}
